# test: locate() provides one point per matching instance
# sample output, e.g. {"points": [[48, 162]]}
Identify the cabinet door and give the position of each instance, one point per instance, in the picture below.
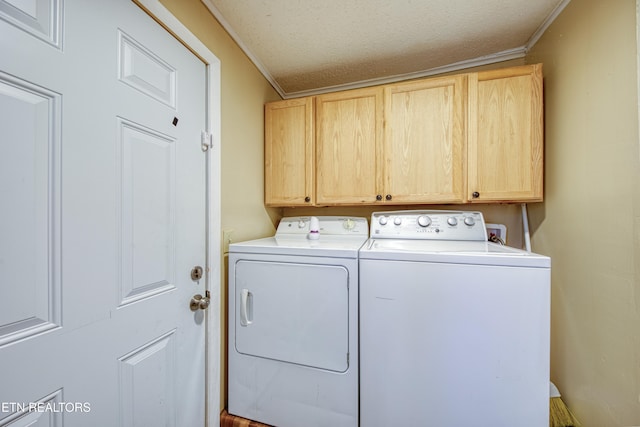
{"points": [[288, 152], [506, 135], [424, 141], [349, 128]]}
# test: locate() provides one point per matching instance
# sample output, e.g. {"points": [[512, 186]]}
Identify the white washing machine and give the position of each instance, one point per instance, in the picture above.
{"points": [[293, 323], [454, 330]]}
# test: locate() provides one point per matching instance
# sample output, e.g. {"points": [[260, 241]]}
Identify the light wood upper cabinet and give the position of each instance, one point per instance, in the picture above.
{"points": [[423, 153], [505, 142], [474, 137], [348, 136], [289, 152]]}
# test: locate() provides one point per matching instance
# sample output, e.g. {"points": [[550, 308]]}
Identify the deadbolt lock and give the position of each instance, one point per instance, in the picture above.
{"points": [[196, 273]]}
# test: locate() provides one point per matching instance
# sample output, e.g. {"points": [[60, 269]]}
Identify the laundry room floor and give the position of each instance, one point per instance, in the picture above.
{"points": [[228, 420]]}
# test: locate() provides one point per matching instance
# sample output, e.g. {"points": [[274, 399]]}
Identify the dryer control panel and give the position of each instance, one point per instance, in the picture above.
{"points": [[328, 225], [428, 225]]}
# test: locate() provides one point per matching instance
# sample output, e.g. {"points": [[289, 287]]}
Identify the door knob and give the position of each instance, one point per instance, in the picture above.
{"points": [[199, 302]]}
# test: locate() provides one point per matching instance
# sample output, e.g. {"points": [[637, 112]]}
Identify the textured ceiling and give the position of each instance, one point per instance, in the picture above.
{"points": [[312, 46]]}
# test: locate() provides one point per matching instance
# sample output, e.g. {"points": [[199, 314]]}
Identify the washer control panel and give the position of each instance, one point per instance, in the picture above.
{"points": [[330, 225], [428, 225]]}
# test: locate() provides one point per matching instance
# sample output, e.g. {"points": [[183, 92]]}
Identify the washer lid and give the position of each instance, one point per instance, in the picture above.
{"points": [[325, 246], [457, 252]]}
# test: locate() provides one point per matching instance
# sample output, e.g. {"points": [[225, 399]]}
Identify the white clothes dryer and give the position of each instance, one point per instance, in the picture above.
{"points": [[454, 330], [293, 323]]}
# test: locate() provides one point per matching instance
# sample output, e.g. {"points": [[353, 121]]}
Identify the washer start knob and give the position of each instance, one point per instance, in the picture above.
{"points": [[424, 221], [470, 221]]}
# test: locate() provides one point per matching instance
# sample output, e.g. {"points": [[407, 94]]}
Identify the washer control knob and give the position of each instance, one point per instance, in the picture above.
{"points": [[301, 224], [349, 224], [452, 221], [397, 220], [383, 220], [470, 221], [424, 221]]}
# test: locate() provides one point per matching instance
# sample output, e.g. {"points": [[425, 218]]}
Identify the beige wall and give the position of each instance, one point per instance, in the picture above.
{"points": [[590, 221], [243, 93]]}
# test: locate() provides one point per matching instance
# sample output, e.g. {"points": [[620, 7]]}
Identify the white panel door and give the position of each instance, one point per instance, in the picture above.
{"points": [[102, 197]]}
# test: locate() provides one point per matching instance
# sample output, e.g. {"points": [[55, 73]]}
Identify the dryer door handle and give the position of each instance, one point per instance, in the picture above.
{"points": [[246, 307]]}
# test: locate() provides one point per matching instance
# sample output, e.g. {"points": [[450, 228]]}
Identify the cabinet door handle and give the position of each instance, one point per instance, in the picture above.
{"points": [[379, 197], [307, 199], [388, 197], [475, 194]]}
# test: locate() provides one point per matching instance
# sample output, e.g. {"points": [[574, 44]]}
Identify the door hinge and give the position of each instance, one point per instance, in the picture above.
{"points": [[206, 141]]}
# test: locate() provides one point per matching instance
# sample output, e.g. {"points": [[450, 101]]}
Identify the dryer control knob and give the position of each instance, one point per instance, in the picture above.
{"points": [[383, 220], [301, 224], [452, 221], [349, 224], [470, 221], [397, 220], [424, 221]]}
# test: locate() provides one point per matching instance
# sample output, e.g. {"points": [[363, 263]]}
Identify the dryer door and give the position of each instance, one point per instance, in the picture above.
{"points": [[293, 312]]}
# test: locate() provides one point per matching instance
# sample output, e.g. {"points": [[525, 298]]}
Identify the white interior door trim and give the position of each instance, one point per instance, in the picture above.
{"points": [[213, 121]]}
